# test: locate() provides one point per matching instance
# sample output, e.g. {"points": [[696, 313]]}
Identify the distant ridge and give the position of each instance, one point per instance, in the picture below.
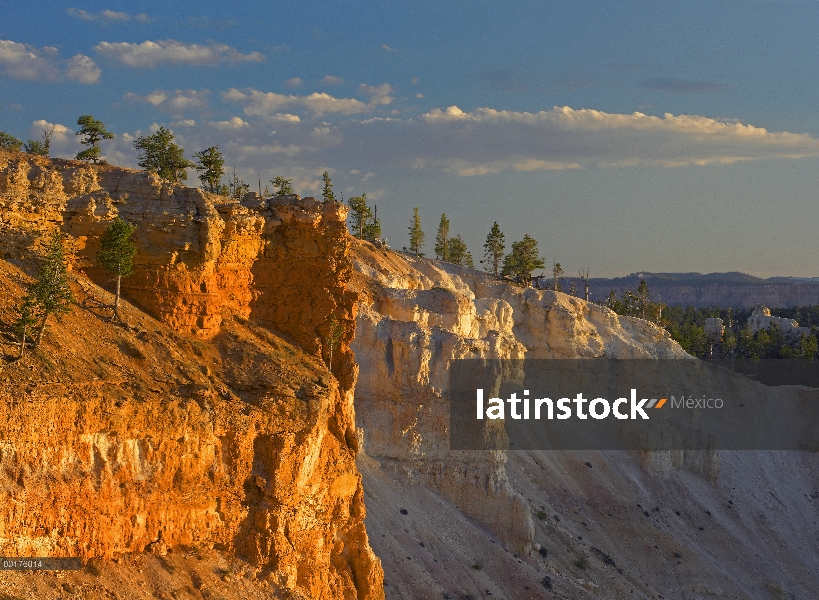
{"points": [[731, 289]]}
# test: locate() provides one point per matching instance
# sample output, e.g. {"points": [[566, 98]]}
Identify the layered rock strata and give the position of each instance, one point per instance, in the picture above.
{"points": [[247, 456]]}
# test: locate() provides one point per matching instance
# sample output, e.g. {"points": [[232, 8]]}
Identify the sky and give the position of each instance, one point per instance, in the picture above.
{"points": [[624, 136]]}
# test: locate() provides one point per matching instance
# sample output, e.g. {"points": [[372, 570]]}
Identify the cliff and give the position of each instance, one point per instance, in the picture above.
{"points": [[210, 420], [542, 524]]}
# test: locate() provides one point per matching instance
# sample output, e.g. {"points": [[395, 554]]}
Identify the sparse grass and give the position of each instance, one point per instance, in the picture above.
{"points": [[541, 515], [582, 563], [93, 569], [477, 566]]}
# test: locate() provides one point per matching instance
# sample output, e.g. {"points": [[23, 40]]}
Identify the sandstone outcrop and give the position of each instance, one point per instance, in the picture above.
{"points": [[231, 432], [520, 524]]}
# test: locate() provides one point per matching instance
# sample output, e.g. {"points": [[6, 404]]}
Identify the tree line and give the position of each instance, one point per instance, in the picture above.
{"points": [[686, 326]]}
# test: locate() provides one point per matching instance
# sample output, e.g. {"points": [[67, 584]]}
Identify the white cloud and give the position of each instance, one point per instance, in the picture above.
{"points": [[388, 48], [331, 80], [23, 61], [294, 82], [150, 54], [321, 103], [83, 69], [379, 94], [487, 140], [283, 118], [259, 103], [232, 123], [64, 141], [176, 101], [61, 133]]}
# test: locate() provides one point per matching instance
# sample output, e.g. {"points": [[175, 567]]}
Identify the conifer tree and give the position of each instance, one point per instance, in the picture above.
{"points": [[416, 234], [458, 253], [493, 250], [9, 142], [117, 254], [283, 186], [211, 166], [327, 193], [441, 239], [523, 260], [360, 213], [93, 132], [158, 154], [50, 294], [25, 323]]}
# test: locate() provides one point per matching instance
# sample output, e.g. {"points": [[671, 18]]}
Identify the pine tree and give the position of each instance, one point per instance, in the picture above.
{"points": [[117, 253], [211, 166], [327, 193], [26, 321], [493, 249], [458, 253], [372, 231], [283, 186], [441, 246], [416, 234], [9, 142], [557, 271], [523, 260], [94, 132], [642, 298], [360, 213], [50, 294], [158, 154]]}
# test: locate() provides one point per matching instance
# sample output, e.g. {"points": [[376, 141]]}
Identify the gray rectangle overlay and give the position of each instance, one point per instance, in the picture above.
{"points": [[37, 563], [608, 404]]}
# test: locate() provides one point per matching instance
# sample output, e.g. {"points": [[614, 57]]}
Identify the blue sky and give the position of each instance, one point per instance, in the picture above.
{"points": [[624, 136]]}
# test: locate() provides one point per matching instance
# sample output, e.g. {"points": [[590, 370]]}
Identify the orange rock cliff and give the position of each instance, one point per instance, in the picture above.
{"points": [[214, 423]]}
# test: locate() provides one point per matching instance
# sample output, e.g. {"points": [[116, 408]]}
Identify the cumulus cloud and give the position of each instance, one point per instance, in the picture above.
{"points": [[176, 101], [262, 104], [331, 80], [294, 82], [60, 132], [379, 94], [259, 104], [83, 69], [487, 140], [23, 61], [232, 123], [64, 141], [150, 54], [283, 118]]}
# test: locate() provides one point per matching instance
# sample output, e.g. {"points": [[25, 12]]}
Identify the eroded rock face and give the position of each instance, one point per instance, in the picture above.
{"points": [[416, 317], [269, 475]]}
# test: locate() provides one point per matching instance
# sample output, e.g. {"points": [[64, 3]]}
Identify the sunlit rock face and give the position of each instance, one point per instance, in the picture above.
{"points": [[253, 452], [418, 315]]}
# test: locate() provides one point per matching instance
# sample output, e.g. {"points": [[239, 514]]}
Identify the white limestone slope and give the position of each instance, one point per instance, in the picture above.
{"points": [[493, 510]]}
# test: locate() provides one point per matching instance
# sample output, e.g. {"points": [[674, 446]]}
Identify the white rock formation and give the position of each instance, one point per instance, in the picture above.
{"points": [[613, 524], [417, 316]]}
